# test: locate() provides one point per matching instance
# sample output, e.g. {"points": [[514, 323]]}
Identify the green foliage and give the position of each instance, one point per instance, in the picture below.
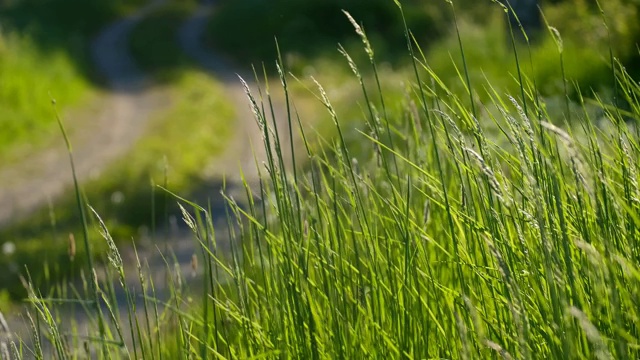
{"points": [[310, 28], [582, 21], [490, 57], [27, 88], [175, 149], [66, 26], [44, 54], [306, 30], [152, 41]]}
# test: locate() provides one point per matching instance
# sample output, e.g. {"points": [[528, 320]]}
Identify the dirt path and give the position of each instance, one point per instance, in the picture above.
{"points": [[103, 137], [243, 151]]}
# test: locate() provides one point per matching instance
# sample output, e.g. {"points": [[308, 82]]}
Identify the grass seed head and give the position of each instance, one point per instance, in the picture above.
{"points": [[362, 34], [493, 181], [4, 326], [592, 333], [114, 254], [4, 350], [499, 349]]}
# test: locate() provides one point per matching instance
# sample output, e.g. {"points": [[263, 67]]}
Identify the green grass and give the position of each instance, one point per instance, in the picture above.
{"points": [[443, 240], [44, 55], [490, 59], [176, 147], [27, 89], [443, 245]]}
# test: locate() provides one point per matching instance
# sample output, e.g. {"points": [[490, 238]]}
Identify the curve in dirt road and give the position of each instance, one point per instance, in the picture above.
{"points": [[247, 146], [99, 139]]}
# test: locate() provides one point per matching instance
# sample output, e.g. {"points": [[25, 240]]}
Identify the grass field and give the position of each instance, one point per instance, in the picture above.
{"points": [[439, 224]]}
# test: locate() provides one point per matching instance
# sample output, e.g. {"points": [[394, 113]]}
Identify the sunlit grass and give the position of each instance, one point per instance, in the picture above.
{"points": [[27, 89], [442, 240], [44, 55], [437, 243]]}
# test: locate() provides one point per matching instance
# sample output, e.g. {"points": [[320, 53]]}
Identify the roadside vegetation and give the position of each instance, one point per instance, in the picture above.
{"points": [[56, 33], [485, 211], [178, 144]]}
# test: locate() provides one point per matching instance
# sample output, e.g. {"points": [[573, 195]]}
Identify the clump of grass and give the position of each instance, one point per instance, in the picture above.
{"points": [[465, 250], [437, 243]]}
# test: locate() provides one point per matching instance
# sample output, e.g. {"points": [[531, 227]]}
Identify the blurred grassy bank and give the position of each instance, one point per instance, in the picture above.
{"points": [[178, 144], [44, 55], [176, 147]]}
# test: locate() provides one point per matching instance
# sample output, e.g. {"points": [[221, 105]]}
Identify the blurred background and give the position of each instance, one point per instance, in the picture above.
{"points": [[174, 116]]}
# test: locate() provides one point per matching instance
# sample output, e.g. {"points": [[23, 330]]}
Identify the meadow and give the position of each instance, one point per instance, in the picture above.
{"points": [[478, 199]]}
